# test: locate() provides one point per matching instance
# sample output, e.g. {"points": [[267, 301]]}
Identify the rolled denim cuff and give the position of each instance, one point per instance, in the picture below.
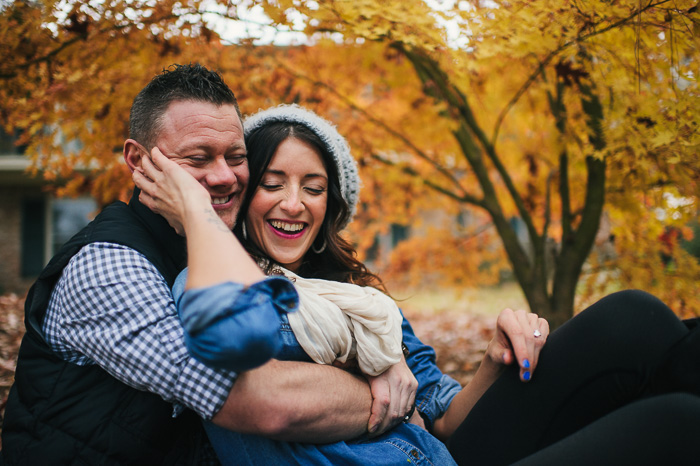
{"points": [[437, 399], [200, 307], [234, 327]]}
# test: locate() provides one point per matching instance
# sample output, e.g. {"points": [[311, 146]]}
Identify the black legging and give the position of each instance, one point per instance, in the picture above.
{"points": [[592, 399]]}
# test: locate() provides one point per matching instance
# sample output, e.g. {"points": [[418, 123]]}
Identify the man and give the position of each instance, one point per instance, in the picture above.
{"points": [[103, 375]]}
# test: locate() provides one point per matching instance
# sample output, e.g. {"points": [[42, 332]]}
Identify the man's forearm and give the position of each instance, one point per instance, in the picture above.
{"points": [[297, 401]]}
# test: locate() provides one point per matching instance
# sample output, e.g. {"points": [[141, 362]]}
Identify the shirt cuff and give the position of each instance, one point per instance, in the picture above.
{"points": [[435, 402]]}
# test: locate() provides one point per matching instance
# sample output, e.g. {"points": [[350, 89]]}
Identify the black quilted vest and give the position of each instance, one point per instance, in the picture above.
{"points": [[62, 413]]}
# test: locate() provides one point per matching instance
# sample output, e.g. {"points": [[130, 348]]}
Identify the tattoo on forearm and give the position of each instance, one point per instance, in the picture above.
{"points": [[215, 220]]}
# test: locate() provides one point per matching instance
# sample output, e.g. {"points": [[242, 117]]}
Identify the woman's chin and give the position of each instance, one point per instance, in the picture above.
{"points": [[288, 261]]}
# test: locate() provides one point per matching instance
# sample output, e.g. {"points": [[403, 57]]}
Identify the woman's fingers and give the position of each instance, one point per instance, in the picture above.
{"points": [[524, 334], [168, 189], [540, 335], [145, 184], [149, 167], [146, 178]]}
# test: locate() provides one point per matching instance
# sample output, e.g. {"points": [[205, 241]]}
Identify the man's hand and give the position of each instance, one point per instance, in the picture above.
{"points": [[393, 397]]}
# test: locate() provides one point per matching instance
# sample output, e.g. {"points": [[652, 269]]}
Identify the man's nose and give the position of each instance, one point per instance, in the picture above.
{"points": [[220, 173]]}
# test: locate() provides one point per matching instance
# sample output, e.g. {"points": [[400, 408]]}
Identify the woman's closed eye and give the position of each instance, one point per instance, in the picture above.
{"points": [[316, 191], [270, 186]]}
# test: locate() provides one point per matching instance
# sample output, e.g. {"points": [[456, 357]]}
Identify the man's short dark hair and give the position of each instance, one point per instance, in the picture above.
{"points": [[176, 83]]}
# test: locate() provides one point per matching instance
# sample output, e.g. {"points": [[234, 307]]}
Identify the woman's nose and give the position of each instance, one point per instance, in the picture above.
{"points": [[292, 203]]}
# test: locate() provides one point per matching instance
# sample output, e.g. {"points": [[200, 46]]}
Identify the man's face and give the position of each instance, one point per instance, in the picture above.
{"points": [[207, 141]]}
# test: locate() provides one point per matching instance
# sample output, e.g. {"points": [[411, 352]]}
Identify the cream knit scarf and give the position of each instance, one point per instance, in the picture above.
{"points": [[340, 321]]}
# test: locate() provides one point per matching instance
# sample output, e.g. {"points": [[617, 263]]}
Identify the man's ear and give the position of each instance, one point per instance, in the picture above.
{"points": [[133, 152]]}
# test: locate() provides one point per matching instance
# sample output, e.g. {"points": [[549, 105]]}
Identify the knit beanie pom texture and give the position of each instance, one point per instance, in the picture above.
{"points": [[336, 145]]}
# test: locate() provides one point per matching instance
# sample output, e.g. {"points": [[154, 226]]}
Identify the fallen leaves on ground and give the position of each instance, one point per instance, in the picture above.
{"points": [[458, 339], [11, 331]]}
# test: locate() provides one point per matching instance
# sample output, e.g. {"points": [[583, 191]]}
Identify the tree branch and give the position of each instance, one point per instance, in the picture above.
{"points": [[422, 155], [550, 56], [429, 71], [80, 38], [465, 198]]}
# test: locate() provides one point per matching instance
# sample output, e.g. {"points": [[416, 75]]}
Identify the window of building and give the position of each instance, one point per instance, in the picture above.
{"points": [[398, 233], [7, 143], [33, 245], [47, 224], [68, 216]]}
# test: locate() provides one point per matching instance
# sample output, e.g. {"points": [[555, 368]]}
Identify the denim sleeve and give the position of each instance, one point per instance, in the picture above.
{"points": [[435, 389], [232, 326]]}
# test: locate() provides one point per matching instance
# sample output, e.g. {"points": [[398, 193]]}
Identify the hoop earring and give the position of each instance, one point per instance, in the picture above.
{"points": [[243, 230], [321, 249]]}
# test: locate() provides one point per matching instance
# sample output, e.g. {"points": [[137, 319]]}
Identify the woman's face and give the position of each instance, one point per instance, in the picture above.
{"points": [[288, 207]]}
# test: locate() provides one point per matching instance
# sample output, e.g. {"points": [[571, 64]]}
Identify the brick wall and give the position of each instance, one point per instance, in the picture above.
{"points": [[11, 280]]}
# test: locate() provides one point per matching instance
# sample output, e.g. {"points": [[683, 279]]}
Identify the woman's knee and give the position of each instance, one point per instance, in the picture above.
{"points": [[630, 328], [632, 303], [635, 311]]}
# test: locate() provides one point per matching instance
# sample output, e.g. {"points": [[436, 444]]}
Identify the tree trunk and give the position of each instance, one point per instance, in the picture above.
{"points": [[531, 272], [577, 245], [530, 267]]}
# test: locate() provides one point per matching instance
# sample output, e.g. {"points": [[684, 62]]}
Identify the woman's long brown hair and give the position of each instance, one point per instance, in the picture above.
{"points": [[338, 261]]}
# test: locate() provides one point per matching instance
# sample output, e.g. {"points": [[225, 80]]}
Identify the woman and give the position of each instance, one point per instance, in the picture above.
{"points": [[302, 193]]}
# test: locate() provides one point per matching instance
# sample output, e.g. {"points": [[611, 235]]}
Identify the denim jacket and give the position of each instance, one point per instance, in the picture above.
{"points": [[248, 325]]}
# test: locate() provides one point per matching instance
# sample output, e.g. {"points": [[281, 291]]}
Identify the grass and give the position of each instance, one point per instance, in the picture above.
{"points": [[485, 301]]}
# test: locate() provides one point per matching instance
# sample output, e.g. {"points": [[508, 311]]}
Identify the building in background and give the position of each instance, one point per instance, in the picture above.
{"points": [[33, 222]]}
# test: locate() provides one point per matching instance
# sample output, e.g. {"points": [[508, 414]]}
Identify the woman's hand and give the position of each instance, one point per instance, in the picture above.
{"points": [[393, 397], [167, 189], [519, 338]]}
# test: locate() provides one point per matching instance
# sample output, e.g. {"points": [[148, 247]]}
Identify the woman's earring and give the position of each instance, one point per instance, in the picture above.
{"points": [[245, 233], [321, 249]]}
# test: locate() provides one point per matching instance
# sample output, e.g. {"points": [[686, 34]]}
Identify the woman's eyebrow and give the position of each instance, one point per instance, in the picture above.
{"points": [[308, 175]]}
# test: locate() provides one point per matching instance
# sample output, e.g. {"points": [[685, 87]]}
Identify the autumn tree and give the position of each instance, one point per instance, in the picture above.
{"points": [[559, 112], [69, 71], [543, 116]]}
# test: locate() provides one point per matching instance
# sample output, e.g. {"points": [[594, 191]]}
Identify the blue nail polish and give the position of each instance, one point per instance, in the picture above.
{"points": [[526, 364], [526, 375]]}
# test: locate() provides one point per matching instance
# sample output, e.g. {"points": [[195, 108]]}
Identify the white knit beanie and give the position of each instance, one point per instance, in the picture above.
{"points": [[336, 145]]}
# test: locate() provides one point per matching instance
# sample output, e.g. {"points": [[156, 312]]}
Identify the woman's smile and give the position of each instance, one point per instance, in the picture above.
{"points": [[287, 230]]}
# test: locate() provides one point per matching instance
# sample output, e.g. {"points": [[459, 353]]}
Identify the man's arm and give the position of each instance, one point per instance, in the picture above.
{"points": [[298, 401], [283, 400], [291, 400]]}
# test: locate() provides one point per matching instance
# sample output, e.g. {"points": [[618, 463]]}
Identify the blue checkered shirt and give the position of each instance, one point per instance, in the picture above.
{"points": [[111, 307]]}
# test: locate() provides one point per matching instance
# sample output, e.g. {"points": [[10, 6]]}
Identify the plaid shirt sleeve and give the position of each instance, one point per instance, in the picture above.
{"points": [[112, 308]]}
